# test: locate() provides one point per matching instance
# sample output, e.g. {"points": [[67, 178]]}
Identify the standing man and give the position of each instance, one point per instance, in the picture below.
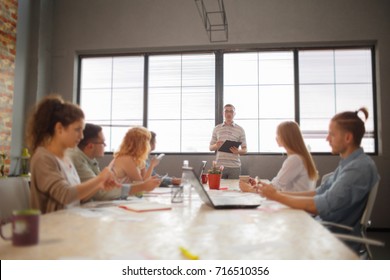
{"points": [[229, 130]]}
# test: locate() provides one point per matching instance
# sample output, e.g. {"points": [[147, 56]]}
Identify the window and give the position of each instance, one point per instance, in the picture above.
{"points": [[181, 101], [261, 87], [333, 81], [178, 98], [111, 94]]}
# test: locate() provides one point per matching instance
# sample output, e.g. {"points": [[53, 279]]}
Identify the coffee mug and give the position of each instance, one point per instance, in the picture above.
{"points": [[25, 227], [244, 178]]}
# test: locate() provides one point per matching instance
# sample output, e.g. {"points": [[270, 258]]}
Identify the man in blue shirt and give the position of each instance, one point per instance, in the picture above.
{"points": [[342, 197]]}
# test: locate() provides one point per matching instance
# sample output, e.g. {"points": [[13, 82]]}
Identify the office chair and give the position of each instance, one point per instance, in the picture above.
{"points": [[365, 222], [14, 195]]}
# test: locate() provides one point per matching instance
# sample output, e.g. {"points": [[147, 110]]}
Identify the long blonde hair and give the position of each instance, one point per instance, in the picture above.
{"points": [[136, 144], [291, 136]]}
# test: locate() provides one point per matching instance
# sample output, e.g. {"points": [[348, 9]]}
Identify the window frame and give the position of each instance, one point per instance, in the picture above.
{"points": [[219, 85]]}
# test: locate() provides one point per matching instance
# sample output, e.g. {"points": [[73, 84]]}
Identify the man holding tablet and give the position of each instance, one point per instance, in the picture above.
{"points": [[229, 130]]}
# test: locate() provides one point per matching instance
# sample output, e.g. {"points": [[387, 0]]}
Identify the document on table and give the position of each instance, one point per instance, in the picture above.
{"points": [[146, 206], [158, 192]]}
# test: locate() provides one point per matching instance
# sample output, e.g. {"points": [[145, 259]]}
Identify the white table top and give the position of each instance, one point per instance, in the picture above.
{"points": [[272, 231]]}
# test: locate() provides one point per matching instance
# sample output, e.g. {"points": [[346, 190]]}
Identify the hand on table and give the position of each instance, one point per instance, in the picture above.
{"points": [[246, 187], [151, 183], [108, 180], [176, 181], [267, 190]]}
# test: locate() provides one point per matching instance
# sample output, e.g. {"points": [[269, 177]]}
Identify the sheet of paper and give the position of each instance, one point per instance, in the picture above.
{"points": [[146, 206]]}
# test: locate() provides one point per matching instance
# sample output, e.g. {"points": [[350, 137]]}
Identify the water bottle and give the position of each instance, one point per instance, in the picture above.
{"points": [[186, 182]]}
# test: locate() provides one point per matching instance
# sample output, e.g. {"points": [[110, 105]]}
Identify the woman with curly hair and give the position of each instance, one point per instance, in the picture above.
{"points": [[129, 161], [55, 126]]}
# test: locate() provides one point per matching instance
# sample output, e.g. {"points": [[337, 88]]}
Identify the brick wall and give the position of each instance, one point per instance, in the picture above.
{"points": [[8, 19]]}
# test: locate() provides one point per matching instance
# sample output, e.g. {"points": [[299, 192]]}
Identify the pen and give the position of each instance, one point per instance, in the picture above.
{"points": [[187, 254]]}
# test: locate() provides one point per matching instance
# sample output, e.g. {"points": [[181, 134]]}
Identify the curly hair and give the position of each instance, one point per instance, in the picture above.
{"points": [[136, 144], [44, 117]]}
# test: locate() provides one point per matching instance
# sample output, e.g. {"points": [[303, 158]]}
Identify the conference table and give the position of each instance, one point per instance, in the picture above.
{"points": [[104, 230]]}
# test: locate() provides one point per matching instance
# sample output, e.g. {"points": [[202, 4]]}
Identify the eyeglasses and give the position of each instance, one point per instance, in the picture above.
{"points": [[229, 111], [100, 143]]}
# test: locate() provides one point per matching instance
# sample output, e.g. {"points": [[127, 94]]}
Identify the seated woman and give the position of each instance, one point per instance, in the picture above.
{"points": [[128, 164], [54, 127], [298, 172]]}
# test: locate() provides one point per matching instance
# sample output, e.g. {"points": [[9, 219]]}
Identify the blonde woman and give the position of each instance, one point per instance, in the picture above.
{"points": [[298, 172], [128, 164]]}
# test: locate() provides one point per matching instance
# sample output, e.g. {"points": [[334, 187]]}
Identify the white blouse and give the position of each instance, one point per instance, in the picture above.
{"points": [[71, 176], [293, 176]]}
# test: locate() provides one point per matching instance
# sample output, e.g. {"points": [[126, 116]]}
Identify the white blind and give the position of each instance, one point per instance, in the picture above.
{"points": [[111, 94], [332, 81], [181, 101], [181, 95]]}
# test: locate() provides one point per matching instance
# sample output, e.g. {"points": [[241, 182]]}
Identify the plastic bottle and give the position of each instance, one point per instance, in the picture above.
{"points": [[186, 182]]}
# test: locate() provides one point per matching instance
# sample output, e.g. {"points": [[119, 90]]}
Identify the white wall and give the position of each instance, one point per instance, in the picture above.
{"points": [[99, 26]]}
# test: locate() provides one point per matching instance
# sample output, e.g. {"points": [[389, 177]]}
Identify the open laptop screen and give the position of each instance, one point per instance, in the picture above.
{"points": [[238, 200]]}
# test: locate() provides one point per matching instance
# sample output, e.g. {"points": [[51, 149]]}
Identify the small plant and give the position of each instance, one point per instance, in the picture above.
{"points": [[214, 169]]}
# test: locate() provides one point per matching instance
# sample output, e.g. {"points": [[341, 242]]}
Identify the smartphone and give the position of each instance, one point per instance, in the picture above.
{"points": [[160, 156]]}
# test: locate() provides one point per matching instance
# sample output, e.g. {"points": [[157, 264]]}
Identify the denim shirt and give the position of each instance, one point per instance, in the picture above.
{"points": [[343, 197]]}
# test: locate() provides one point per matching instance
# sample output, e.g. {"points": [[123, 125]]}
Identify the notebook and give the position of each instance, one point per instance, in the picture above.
{"points": [[145, 206], [234, 200]]}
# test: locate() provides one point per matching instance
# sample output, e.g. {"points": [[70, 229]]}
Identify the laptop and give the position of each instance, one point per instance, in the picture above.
{"points": [[236, 200], [201, 169]]}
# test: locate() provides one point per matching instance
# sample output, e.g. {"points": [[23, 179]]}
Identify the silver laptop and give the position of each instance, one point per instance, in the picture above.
{"points": [[201, 169], [239, 200]]}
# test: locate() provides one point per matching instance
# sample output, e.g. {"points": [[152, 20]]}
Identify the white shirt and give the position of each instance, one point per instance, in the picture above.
{"points": [[71, 176], [293, 176]]}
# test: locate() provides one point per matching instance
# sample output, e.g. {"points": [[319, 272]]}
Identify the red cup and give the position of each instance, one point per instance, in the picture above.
{"points": [[204, 178]]}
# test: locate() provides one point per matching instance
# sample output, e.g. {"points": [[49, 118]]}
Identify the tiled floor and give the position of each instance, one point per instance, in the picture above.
{"points": [[380, 253]]}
